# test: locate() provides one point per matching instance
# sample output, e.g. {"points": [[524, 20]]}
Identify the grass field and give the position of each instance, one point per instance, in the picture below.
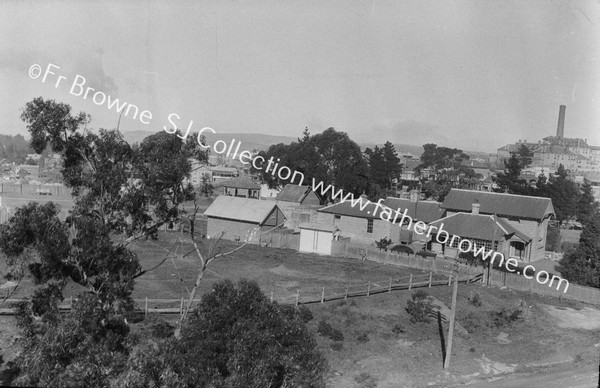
{"points": [[380, 346]]}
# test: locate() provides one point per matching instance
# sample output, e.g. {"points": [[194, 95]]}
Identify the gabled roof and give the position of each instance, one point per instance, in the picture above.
{"points": [[425, 211], [293, 193], [240, 209], [512, 205], [479, 226], [239, 183]]}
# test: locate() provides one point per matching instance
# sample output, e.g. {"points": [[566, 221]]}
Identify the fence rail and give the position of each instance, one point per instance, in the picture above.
{"points": [[497, 278], [314, 295]]}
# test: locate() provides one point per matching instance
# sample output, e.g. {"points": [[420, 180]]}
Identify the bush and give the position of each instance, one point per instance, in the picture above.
{"points": [[553, 239], [384, 243], [426, 254], [420, 307], [305, 314], [476, 300], [402, 249], [365, 380], [398, 328], [506, 317], [235, 338], [362, 338], [326, 330]]}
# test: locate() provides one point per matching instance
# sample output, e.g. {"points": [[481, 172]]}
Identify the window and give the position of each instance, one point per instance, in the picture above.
{"points": [[370, 226], [517, 249], [337, 217]]}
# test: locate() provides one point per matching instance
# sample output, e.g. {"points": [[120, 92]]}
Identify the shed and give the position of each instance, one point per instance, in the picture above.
{"points": [[242, 219], [317, 238]]}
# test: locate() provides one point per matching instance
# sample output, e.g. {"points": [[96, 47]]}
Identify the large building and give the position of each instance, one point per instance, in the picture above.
{"points": [[575, 154], [527, 215]]}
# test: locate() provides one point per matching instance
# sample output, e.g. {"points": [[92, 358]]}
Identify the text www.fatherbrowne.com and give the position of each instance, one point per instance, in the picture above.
{"points": [[285, 173], [442, 236]]}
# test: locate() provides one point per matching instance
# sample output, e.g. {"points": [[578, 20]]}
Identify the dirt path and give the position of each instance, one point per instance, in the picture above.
{"points": [[585, 377]]}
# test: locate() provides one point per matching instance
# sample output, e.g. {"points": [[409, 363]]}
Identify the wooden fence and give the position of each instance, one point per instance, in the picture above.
{"points": [[310, 296], [496, 278]]}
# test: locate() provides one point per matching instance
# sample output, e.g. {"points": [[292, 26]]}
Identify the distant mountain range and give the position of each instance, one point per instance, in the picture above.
{"points": [[250, 141]]}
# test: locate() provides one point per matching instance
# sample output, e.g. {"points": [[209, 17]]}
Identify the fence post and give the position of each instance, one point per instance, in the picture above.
{"points": [[271, 296], [346, 295], [323, 295], [369, 289], [390, 286], [430, 276], [71, 306], [181, 307], [146, 308], [410, 282], [297, 296], [449, 280]]}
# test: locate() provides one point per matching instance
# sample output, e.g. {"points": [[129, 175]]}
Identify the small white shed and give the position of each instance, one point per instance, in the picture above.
{"points": [[317, 238]]}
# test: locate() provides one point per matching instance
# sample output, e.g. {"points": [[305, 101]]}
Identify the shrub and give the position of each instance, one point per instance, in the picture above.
{"points": [[398, 328], [326, 330], [426, 254], [476, 300], [420, 307], [362, 338], [402, 249], [365, 380], [305, 314], [506, 317], [384, 243]]}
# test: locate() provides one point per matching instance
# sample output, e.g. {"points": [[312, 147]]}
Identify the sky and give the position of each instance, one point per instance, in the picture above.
{"points": [[469, 74]]}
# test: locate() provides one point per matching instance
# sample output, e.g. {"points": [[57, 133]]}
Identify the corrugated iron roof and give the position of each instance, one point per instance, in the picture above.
{"points": [[512, 205], [293, 193], [240, 209]]}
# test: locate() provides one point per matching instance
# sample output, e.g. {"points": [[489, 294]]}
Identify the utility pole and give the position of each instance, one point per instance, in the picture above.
{"points": [[455, 268]]}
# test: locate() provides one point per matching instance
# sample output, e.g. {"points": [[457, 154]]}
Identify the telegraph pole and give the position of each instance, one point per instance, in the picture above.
{"points": [[455, 268]]}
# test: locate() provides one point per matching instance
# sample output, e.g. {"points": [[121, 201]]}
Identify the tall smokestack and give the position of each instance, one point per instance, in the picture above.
{"points": [[560, 130]]}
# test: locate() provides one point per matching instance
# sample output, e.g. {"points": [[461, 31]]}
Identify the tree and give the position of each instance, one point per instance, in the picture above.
{"points": [[120, 194], [586, 203], [235, 338], [525, 156], [582, 265], [330, 157], [564, 194]]}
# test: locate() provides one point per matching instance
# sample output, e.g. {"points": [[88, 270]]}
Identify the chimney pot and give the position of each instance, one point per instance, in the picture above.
{"points": [[475, 207]]}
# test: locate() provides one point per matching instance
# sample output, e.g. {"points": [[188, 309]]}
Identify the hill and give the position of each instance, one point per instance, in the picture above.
{"points": [[249, 141]]}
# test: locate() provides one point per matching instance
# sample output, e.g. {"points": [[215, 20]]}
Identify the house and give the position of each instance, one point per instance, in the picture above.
{"points": [[239, 187], [317, 238], [482, 230], [528, 215], [221, 173], [242, 219], [267, 192], [366, 226], [303, 195]]}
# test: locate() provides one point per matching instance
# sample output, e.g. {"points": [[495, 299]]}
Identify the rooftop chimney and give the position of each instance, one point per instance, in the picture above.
{"points": [[475, 207], [560, 130], [414, 196]]}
